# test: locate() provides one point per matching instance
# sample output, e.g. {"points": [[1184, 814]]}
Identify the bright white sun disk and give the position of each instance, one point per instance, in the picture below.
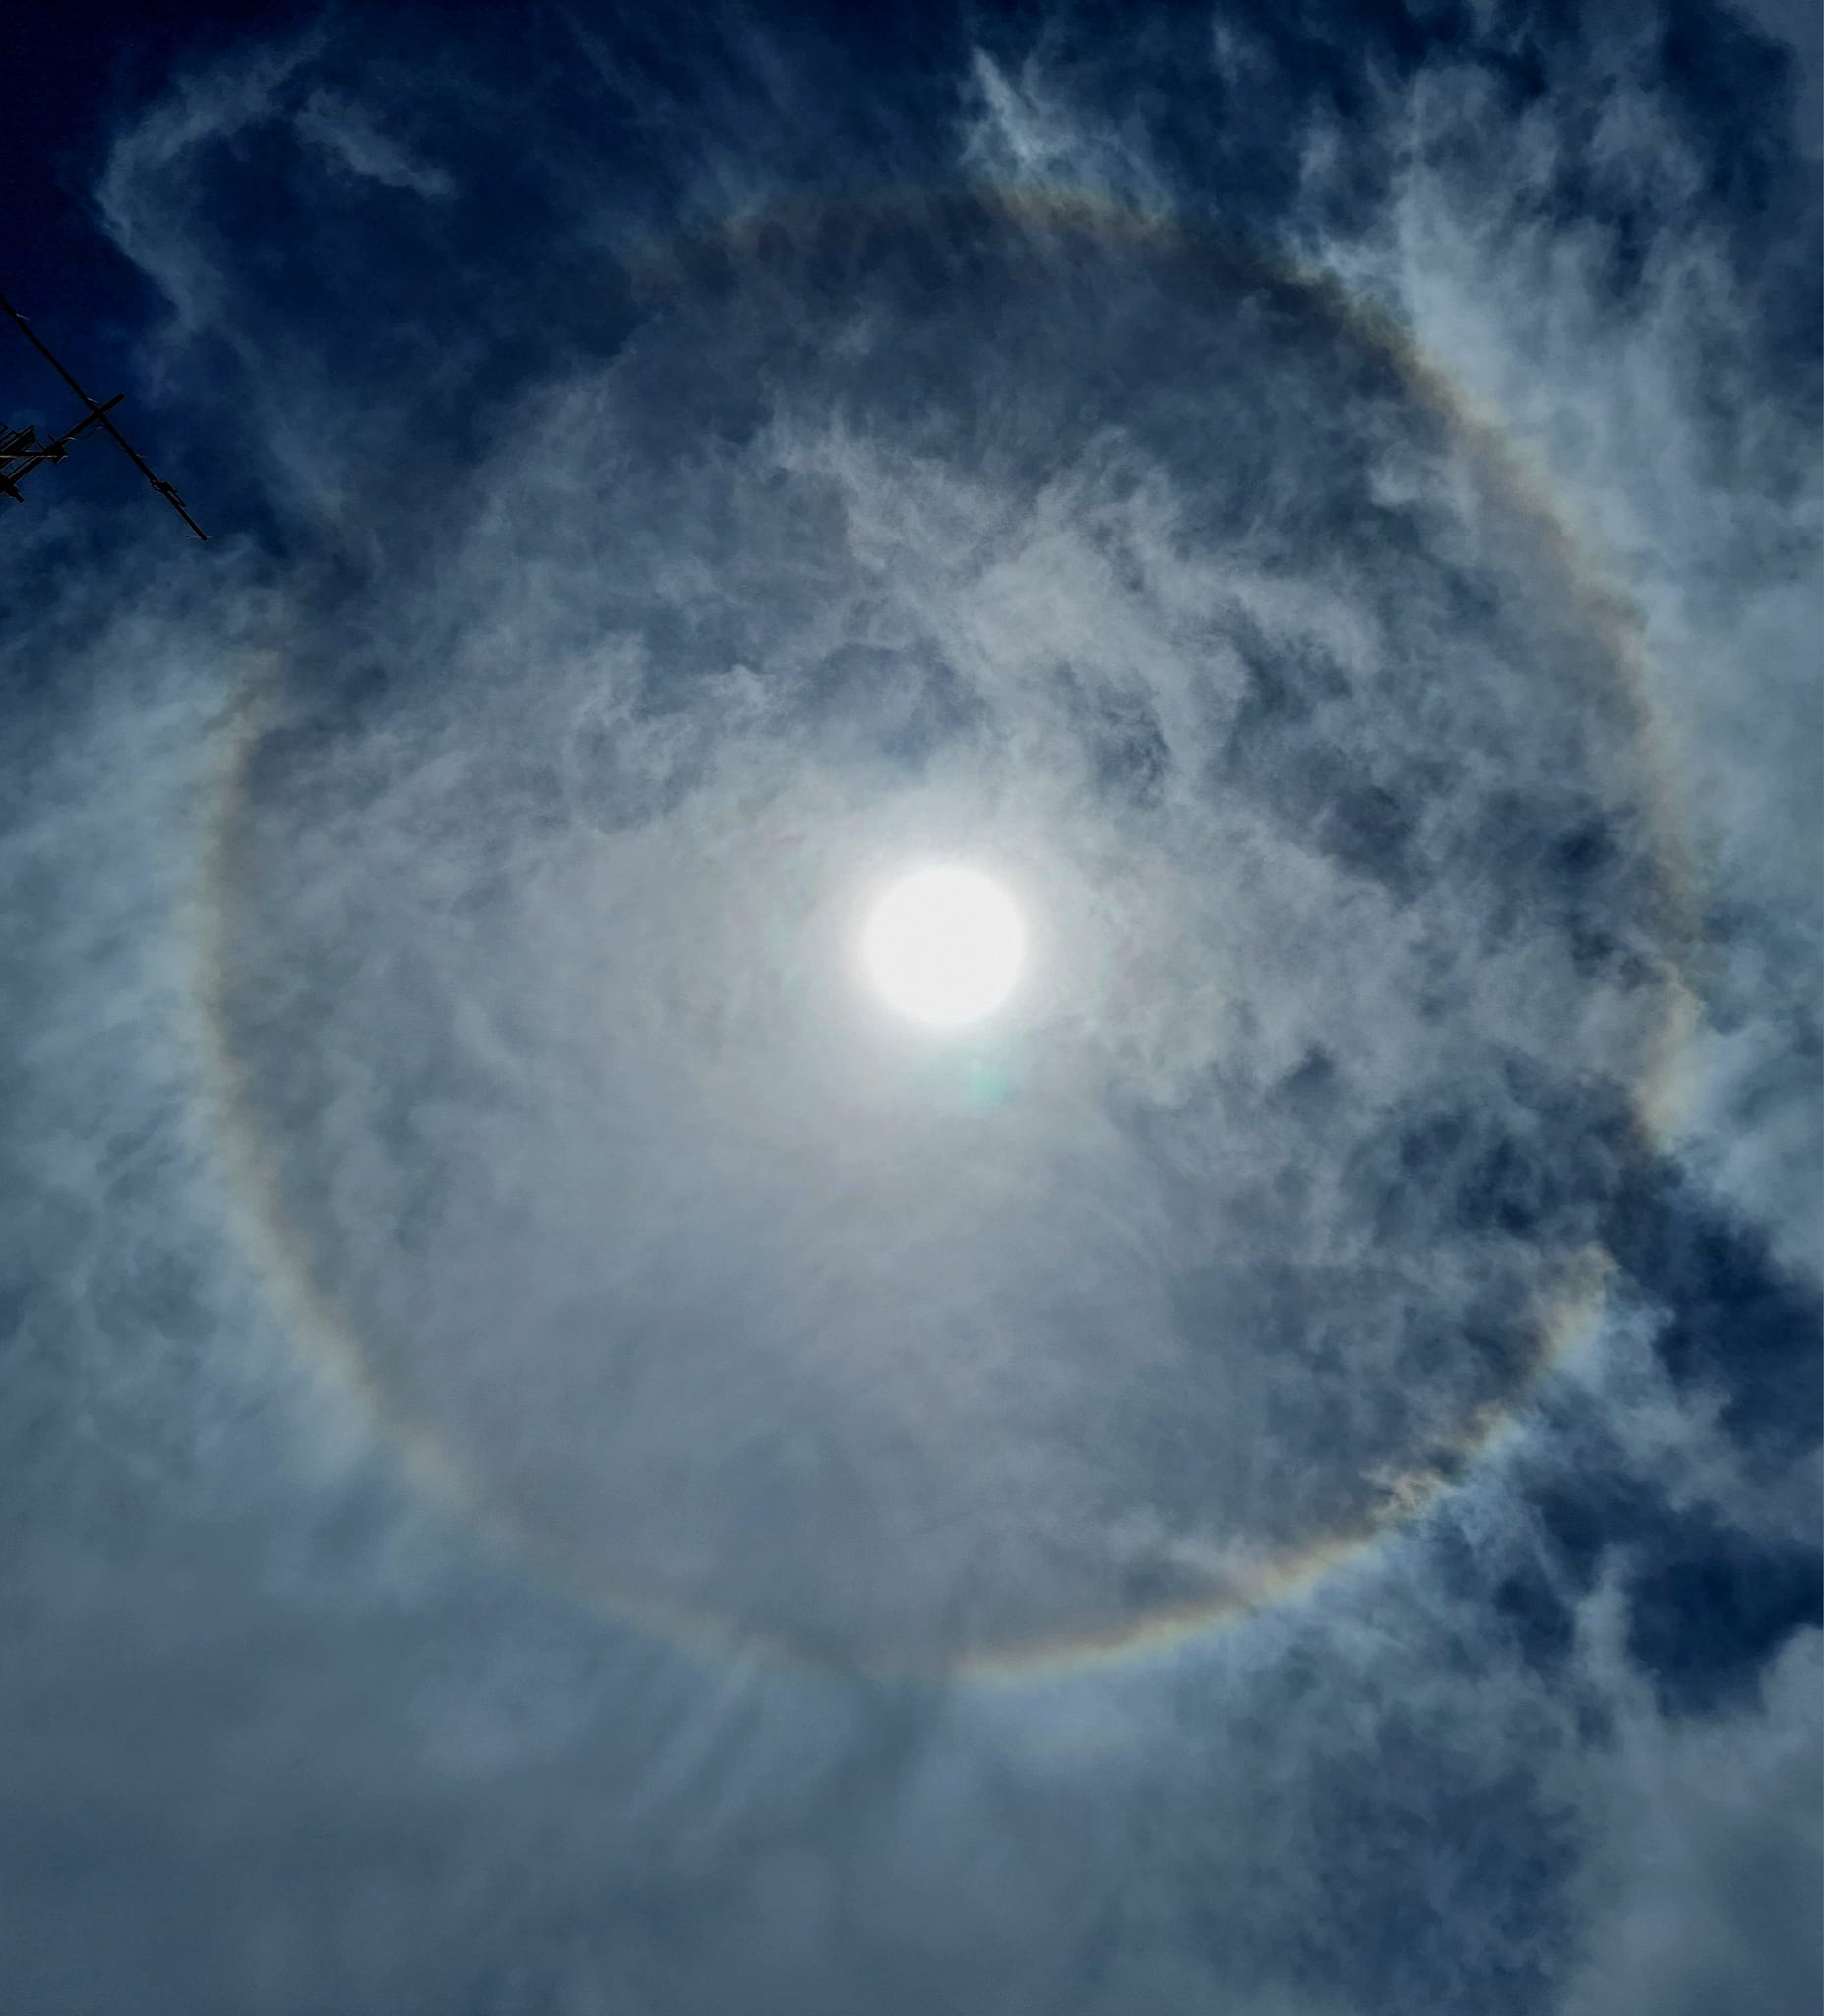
{"points": [[944, 946]]}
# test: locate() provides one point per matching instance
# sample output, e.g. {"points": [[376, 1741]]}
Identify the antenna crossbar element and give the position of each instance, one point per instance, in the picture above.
{"points": [[20, 454], [21, 451]]}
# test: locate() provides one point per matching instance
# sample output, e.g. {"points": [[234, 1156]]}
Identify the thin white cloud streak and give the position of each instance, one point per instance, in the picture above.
{"points": [[350, 138]]}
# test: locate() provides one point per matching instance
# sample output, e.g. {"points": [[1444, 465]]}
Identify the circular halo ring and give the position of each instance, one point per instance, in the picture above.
{"points": [[1657, 1093]]}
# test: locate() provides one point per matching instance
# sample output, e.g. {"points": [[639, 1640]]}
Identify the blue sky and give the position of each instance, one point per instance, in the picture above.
{"points": [[556, 1457]]}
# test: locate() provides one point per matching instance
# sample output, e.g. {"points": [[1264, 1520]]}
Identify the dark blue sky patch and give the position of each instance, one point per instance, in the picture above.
{"points": [[1735, 1327], [1708, 1610]]}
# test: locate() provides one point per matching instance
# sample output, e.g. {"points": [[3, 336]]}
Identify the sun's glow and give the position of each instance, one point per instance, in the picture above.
{"points": [[944, 946]]}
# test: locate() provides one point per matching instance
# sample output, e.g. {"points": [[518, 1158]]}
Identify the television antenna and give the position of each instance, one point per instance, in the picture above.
{"points": [[21, 452]]}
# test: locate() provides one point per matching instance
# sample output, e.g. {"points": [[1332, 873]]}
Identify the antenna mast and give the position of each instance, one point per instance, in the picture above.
{"points": [[21, 452]]}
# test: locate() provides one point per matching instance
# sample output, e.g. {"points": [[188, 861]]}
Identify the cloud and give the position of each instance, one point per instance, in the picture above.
{"points": [[1706, 527], [1020, 130], [480, 1268], [1709, 1885], [146, 191], [345, 133]]}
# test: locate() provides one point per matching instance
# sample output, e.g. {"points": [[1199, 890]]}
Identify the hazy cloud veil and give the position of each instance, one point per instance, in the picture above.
{"points": [[559, 1459]]}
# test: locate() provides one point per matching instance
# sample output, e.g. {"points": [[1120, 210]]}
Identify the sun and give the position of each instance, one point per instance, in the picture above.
{"points": [[944, 946]]}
